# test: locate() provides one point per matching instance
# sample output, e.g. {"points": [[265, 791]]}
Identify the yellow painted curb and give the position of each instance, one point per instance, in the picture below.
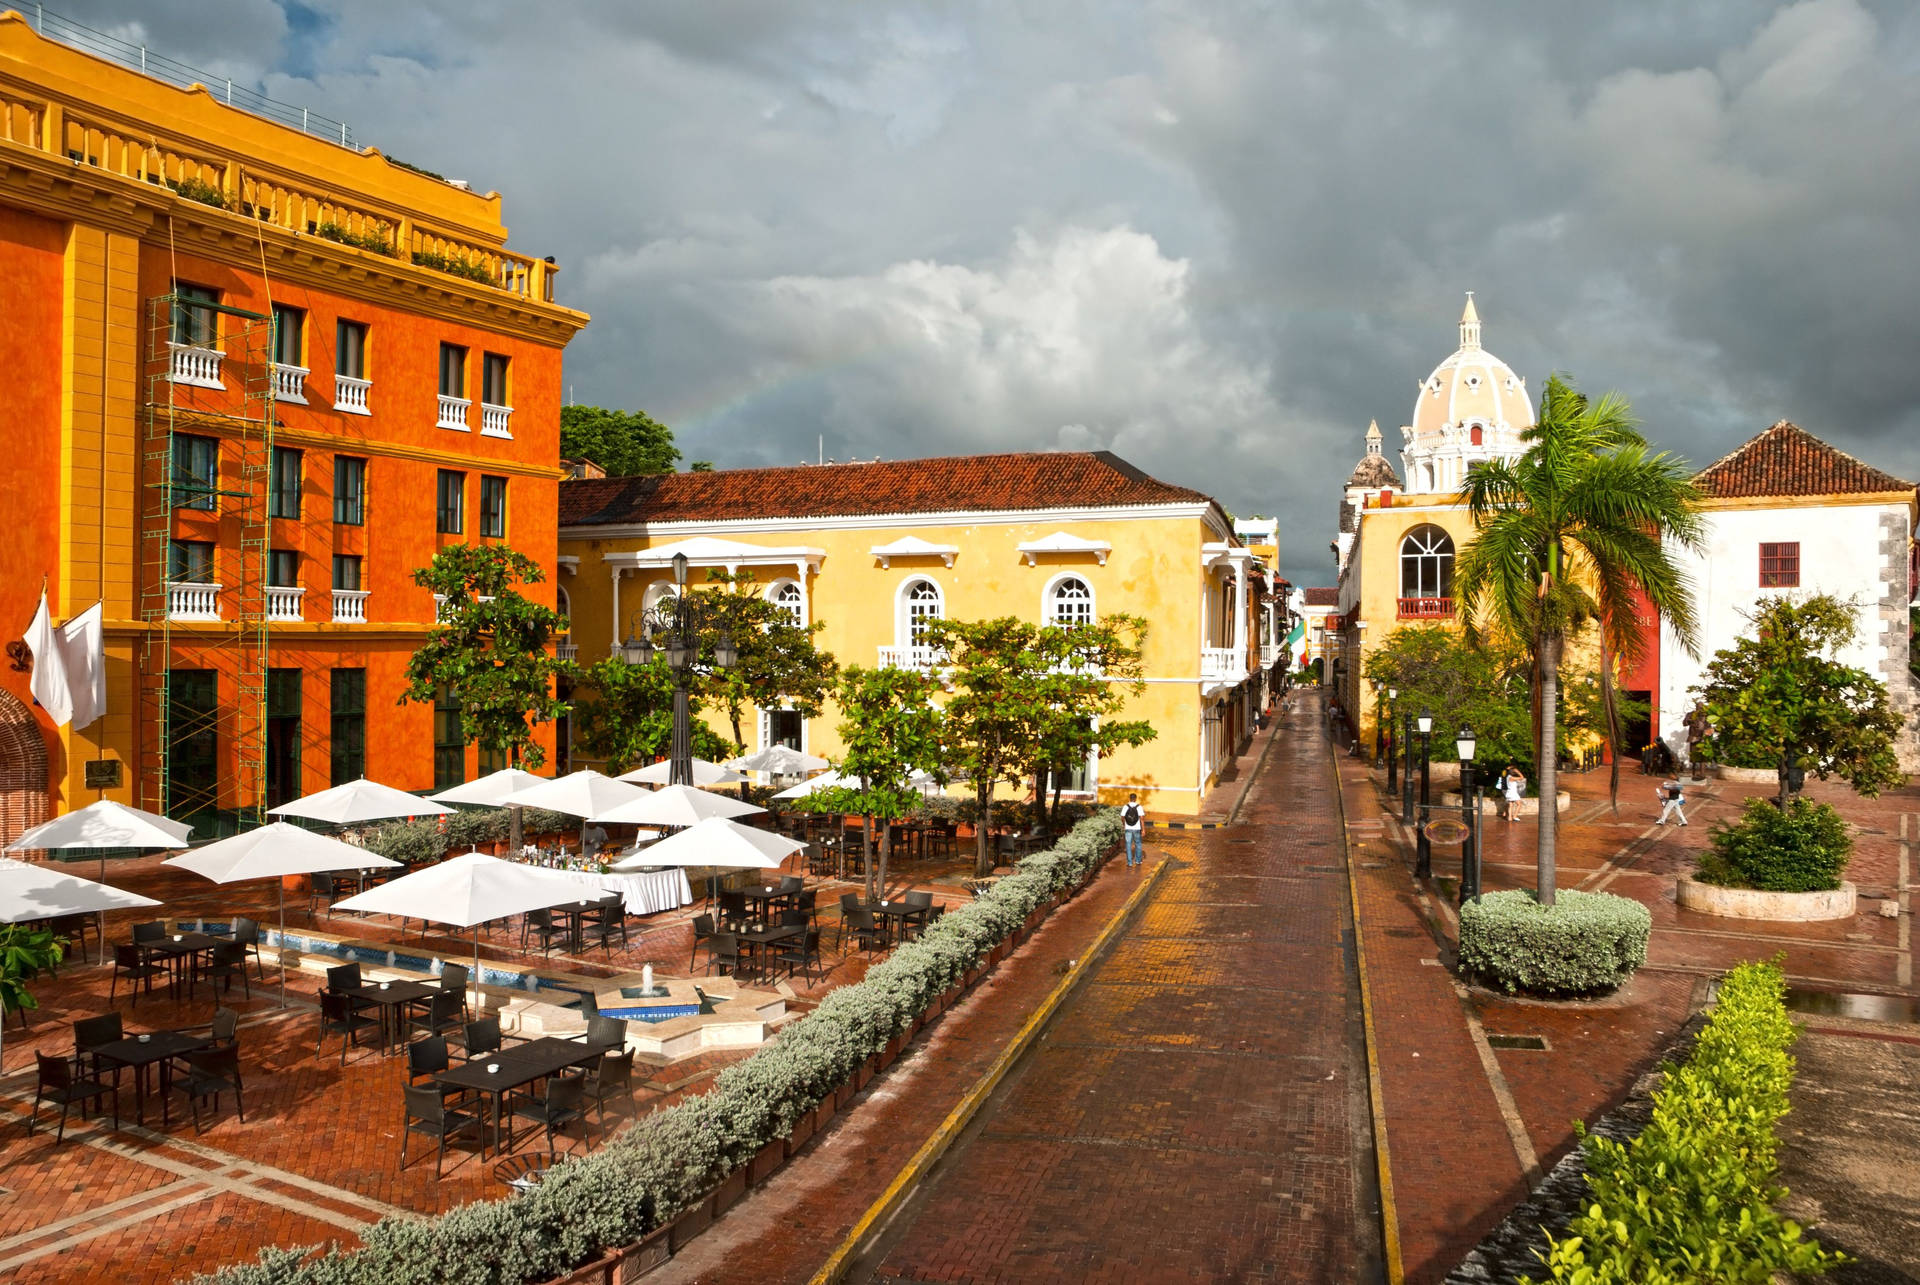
{"points": [[1389, 1212], [835, 1269]]}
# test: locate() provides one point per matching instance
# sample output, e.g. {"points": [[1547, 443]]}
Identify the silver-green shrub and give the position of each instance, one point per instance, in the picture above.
{"points": [[1587, 941]]}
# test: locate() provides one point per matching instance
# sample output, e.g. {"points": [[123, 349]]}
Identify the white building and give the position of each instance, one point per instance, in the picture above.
{"points": [[1789, 514]]}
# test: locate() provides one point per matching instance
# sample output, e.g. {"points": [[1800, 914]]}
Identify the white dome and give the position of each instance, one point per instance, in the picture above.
{"points": [[1471, 408]]}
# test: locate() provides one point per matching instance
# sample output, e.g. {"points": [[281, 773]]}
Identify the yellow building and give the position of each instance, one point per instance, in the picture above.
{"points": [[1395, 548], [874, 550]]}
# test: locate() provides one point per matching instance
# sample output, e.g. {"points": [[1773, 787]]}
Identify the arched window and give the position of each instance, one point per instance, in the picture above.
{"points": [[1426, 563], [1069, 603], [1476, 436], [786, 595], [920, 602]]}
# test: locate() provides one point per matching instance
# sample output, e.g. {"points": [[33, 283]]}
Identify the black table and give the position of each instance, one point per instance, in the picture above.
{"points": [[391, 999], [179, 947], [763, 898], [762, 939], [576, 913], [138, 1052], [515, 1068], [896, 914]]}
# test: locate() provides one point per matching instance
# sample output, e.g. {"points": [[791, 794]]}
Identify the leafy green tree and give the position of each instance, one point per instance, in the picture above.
{"points": [[892, 731], [1089, 673], [624, 443], [1780, 697], [776, 660], [24, 952], [1566, 536], [490, 648], [628, 719]]}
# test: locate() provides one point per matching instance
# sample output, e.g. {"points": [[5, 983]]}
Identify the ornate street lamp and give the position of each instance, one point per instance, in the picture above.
{"points": [[674, 628], [1423, 847], [1393, 741], [1465, 744]]}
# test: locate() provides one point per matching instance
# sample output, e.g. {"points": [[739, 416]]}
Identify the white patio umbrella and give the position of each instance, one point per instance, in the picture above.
{"points": [[467, 891], [272, 852], [717, 842], [704, 773], [492, 790], [360, 800], [779, 760], [678, 805], [835, 780], [586, 794], [28, 891], [104, 825]]}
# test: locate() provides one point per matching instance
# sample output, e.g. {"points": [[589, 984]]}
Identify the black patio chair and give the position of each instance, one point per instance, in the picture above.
{"points": [[247, 932], [58, 1083], [74, 929], [477, 1038], [429, 1113], [562, 1104], [539, 923], [437, 1014], [803, 954], [733, 911], [453, 980], [702, 938], [808, 904], [90, 1034], [224, 1029], [922, 904], [339, 1017], [323, 891], [208, 1073], [226, 961], [724, 949], [608, 1032], [343, 977], [865, 931], [611, 1077], [130, 964]]}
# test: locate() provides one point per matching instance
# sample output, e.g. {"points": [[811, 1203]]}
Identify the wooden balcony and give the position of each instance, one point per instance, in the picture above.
{"points": [[1426, 609]]}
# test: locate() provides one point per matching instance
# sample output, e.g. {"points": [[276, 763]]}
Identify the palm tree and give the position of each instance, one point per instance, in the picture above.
{"points": [[1566, 534]]}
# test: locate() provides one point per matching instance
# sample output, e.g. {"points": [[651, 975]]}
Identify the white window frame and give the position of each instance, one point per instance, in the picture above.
{"points": [[903, 616], [1049, 598], [764, 725], [797, 608]]}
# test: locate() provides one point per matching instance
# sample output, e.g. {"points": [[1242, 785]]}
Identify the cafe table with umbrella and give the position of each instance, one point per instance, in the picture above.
{"points": [[358, 801], [492, 790], [29, 892], [467, 891], [661, 773], [677, 805], [777, 760], [104, 825], [272, 852], [586, 794]]}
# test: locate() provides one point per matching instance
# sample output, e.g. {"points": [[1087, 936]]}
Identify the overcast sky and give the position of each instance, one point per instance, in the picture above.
{"points": [[1217, 238]]}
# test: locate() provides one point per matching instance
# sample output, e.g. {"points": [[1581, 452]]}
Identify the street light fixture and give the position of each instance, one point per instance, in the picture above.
{"points": [[1465, 744], [1393, 741], [1423, 847], [680, 622]]}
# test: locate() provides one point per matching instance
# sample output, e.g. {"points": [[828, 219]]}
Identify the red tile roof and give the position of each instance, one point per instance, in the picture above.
{"points": [[961, 483], [1322, 597], [1787, 460]]}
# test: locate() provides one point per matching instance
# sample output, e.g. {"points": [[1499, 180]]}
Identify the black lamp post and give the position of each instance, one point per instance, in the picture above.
{"points": [[1465, 744], [1379, 723], [1393, 738], [1423, 848], [1406, 770], [680, 622]]}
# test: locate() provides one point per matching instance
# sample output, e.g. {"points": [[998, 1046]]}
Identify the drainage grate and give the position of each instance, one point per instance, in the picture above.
{"points": [[1323, 870], [1536, 1043]]}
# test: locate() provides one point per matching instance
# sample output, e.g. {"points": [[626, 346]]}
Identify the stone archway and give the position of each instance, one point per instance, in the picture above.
{"points": [[23, 770]]}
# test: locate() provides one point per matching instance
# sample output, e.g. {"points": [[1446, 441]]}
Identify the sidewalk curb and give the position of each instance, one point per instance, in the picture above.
{"points": [[835, 1269], [1389, 1212]]}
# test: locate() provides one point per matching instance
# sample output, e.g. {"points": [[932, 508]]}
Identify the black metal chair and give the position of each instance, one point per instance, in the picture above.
{"points": [[803, 954], [339, 1017], [539, 923], [724, 949], [426, 1057], [431, 1114], [865, 931], [324, 890], [922, 904], [59, 1083], [477, 1038], [129, 963], [247, 932], [148, 933], [611, 918], [849, 903], [208, 1073], [808, 904], [454, 979], [702, 938], [74, 928], [609, 1032], [436, 1014], [225, 1028], [226, 961], [562, 1104], [89, 1034], [343, 977], [733, 911], [613, 1076]]}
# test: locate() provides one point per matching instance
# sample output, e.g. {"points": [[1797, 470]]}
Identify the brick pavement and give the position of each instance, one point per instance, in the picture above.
{"points": [[1197, 1108]]}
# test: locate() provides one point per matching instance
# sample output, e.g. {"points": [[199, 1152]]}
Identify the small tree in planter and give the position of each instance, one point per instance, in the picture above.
{"points": [[1781, 698], [1802, 847]]}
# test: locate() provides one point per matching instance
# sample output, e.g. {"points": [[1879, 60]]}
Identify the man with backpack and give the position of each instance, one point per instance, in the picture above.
{"points": [[1134, 821], [1672, 796]]}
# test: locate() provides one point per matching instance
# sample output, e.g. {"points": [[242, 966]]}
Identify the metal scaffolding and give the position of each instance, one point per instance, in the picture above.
{"points": [[208, 377]]}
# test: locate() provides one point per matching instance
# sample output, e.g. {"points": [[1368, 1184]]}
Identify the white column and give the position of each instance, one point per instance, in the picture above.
{"points": [[806, 592], [616, 608], [1240, 609]]}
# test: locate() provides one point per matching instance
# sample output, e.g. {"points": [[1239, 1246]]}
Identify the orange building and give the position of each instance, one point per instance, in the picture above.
{"points": [[256, 378]]}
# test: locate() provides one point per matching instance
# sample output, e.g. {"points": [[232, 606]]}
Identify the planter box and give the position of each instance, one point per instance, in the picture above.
{"points": [[802, 1133], [689, 1224], [1748, 775], [972, 976], [864, 1073], [1489, 806], [641, 1257], [1745, 903], [998, 953], [891, 1051], [597, 1272], [844, 1093], [823, 1114], [954, 992], [728, 1193], [768, 1159]]}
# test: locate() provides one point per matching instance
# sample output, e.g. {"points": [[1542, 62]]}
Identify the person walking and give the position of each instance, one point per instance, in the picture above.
{"points": [[1672, 796], [1134, 821], [1513, 788]]}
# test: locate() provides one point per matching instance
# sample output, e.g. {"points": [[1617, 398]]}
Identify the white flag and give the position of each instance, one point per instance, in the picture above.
{"points": [[81, 646], [49, 683]]}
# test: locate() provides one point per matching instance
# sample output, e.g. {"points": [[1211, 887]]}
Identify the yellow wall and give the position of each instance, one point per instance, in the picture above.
{"points": [[1154, 571]]}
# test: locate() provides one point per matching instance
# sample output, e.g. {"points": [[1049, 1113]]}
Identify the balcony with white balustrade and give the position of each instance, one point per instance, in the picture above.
{"points": [[566, 651], [453, 413], [493, 420], [1225, 664], [283, 602], [350, 394], [193, 600], [194, 365], [924, 659], [290, 383], [350, 606]]}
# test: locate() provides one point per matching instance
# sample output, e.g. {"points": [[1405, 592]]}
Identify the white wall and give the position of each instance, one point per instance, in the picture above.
{"points": [[1841, 552]]}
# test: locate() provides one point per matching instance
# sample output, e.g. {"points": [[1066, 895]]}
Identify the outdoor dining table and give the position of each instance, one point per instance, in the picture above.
{"points": [[178, 949], [138, 1052], [762, 899], [760, 940], [391, 1000], [896, 914], [517, 1066]]}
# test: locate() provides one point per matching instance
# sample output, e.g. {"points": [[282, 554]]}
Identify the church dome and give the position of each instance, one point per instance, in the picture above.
{"points": [[1372, 473], [1472, 407]]}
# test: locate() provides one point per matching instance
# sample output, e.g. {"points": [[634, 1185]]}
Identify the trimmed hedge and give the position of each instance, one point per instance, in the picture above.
{"points": [[1802, 849], [1587, 941], [669, 1161], [1691, 1198]]}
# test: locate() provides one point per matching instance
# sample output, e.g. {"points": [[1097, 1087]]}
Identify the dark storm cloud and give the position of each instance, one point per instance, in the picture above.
{"points": [[1218, 238]]}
